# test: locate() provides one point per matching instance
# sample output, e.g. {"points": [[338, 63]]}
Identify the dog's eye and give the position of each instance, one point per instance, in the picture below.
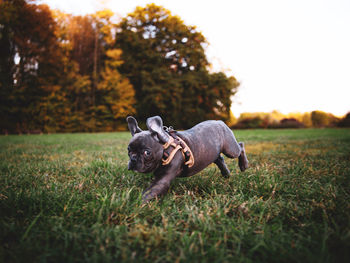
{"points": [[147, 153]]}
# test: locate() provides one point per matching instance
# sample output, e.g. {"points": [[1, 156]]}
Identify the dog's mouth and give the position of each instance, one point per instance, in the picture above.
{"points": [[133, 166]]}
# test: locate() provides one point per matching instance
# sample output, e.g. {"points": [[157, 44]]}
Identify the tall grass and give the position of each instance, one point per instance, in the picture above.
{"points": [[70, 198]]}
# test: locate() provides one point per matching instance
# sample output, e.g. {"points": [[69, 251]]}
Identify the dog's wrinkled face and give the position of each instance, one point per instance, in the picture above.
{"points": [[145, 152]]}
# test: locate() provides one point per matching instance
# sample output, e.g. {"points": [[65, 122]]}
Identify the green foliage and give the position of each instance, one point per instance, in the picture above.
{"points": [[165, 62], [290, 123], [345, 122], [322, 119], [319, 119], [70, 198], [251, 123]]}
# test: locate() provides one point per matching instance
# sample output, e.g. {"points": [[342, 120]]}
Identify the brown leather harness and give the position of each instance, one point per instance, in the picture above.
{"points": [[178, 144]]}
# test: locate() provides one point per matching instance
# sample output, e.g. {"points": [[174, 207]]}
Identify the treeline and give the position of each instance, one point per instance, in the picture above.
{"points": [[275, 119], [65, 73]]}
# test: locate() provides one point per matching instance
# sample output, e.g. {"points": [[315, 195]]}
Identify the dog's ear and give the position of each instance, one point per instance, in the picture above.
{"points": [[133, 126], [155, 126]]}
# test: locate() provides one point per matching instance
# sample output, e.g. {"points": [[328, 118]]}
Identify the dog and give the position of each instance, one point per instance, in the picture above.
{"points": [[170, 154]]}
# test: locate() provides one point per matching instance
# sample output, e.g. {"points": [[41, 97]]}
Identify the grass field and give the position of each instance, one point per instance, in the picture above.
{"points": [[70, 198]]}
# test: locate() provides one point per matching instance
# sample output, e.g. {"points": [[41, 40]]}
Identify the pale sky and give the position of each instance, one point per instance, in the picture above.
{"points": [[291, 56]]}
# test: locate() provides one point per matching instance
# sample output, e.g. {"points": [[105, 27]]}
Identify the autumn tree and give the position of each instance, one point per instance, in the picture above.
{"points": [[58, 72], [116, 94], [63, 73], [30, 61], [166, 63], [84, 43], [101, 97]]}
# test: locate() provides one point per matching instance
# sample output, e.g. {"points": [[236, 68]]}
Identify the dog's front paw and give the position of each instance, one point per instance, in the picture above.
{"points": [[148, 195]]}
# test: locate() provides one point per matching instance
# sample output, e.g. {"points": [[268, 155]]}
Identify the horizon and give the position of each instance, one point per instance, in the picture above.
{"points": [[275, 48]]}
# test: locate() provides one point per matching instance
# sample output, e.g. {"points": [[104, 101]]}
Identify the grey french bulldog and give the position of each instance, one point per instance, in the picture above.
{"points": [[205, 141]]}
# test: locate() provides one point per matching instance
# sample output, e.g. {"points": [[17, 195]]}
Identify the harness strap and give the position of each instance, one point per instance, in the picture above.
{"points": [[169, 143], [172, 154], [178, 144]]}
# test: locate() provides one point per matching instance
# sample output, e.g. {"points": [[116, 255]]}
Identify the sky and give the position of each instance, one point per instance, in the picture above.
{"points": [[290, 56]]}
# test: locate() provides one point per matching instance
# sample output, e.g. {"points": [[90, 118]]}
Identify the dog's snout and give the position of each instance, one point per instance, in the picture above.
{"points": [[131, 165], [132, 161], [133, 157]]}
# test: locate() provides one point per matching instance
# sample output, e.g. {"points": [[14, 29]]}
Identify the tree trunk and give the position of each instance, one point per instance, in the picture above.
{"points": [[94, 76]]}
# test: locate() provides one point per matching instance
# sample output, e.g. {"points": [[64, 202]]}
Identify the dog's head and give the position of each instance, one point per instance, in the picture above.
{"points": [[146, 147]]}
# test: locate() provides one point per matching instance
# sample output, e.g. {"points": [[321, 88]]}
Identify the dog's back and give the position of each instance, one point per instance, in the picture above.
{"points": [[207, 140]]}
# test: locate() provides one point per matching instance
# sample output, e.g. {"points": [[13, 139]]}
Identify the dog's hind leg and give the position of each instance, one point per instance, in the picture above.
{"points": [[233, 149], [220, 162], [242, 159]]}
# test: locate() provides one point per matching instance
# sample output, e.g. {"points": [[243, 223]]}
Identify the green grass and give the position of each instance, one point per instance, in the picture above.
{"points": [[70, 198]]}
